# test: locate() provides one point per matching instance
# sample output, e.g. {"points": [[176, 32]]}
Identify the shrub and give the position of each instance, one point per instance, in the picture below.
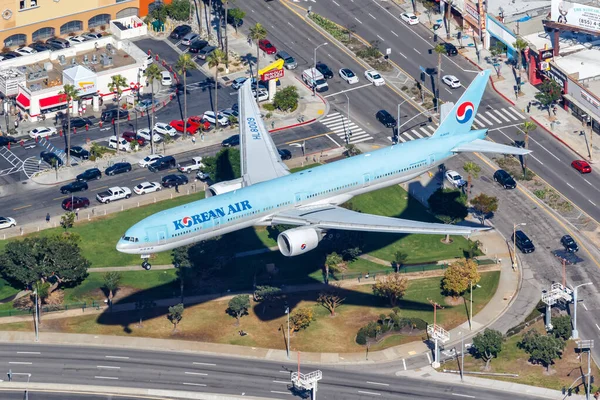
{"points": [[361, 336], [286, 99], [419, 324], [269, 107]]}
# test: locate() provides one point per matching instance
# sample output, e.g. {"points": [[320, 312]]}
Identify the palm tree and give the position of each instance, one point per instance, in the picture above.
{"points": [[72, 94], [184, 64], [226, 4], [439, 49], [257, 33], [112, 282], [472, 170], [116, 85], [526, 127], [152, 74], [520, 45], [215, 59]]}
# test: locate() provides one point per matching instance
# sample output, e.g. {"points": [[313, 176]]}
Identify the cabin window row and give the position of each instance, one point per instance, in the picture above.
{"points": [[422, 164], [332, 190]]}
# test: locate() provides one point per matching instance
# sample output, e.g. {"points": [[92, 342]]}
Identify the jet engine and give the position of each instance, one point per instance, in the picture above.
{"points": [[298, 241], [223, 187]]}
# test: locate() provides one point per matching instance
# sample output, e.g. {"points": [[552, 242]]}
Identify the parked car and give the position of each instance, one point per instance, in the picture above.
{"points": [[181, 31], [163, 163], [92, 35], [197, 45], [73, 187], [146, 105], [75, 203], [455, 179], [42, 131], [569, 244], [113, 113], [189, 127], [89, 174], [409, 18], [118, 143], [149, 160], [263, 94], [504, 179], [51, 158], [10, 55], [25, 50], [386, 119], [76, 39], [205, 51], [582, 166], [77, 123], [285, 154], [231, 141], [147, 187], [79, 152], [189, 38], [523, 242], [41, 46], [130, 136], [238, 82], [374, 77], [172, 180], [118, 168], [164, 129], [450, 49], [58, 43], [210, 117], [288, 61], [325, 70], [266, 46], [347, 75], [5, 140], [144, 133], [165, 78]]}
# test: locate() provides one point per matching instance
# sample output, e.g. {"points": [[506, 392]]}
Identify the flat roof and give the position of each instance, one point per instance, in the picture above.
{"points": [[585, 62]]}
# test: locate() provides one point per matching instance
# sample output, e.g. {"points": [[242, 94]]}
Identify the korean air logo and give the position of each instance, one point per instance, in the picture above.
{"points": [[303, 246], [465, 112], [186, 221]]}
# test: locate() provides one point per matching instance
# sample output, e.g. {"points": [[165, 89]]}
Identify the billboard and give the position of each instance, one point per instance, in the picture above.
{"points": [[575, 14], [272, 74]]}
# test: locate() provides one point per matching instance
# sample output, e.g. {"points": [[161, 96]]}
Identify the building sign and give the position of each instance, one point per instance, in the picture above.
{"points": [[481, 18], [557, 75], [545, 54], [82, 78], [471, 14], [595, 103], [575, 14], [273, 74]]}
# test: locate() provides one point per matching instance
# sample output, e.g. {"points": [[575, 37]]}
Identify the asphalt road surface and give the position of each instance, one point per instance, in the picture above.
{"points": [[40, 395]]}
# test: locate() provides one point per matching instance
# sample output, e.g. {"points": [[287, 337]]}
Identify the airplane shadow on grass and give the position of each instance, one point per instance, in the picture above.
{"points": [[241, 274]]}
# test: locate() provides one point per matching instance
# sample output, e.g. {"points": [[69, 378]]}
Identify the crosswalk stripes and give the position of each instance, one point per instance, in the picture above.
{"points": [[340, 125]]}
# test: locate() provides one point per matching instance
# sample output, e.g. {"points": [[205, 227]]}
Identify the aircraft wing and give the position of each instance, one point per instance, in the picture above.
{"points": [[259, 157], [485, 146], [333, 217]]}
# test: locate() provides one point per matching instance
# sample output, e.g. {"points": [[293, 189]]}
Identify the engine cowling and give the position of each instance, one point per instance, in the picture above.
{"points": [[298, 241], [223, 187]]}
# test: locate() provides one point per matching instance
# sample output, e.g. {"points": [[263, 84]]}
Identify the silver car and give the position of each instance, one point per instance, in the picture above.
{"points": [[189, 38]]}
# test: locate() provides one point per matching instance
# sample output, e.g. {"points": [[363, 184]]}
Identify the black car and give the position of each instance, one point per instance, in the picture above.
{"points": [[77, 186], [523, 242], [231, 141], [232, 21], [504, 179], [79, 152], [325, 70], [197, 45], [109, 115], [75, 203], [118, 168], [450, 49], [9, 55], [40, 46], [569, 244], [89, 174], [5, 140], [51, 158], [77, 123], [163, 163], [285, 154], [58, 43], [181, 31], [172, 180], [386, 119]]}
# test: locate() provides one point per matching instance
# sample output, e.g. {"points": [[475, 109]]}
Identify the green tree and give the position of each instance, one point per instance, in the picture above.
{"points": [[472, 169], [520, 45], [459, 276], [214, 59], [160, 13], [526, 128], [238, 306], [399, 260], [392, 286], [179, 10], [152, 75], [175, 315], [449, 206], [112, 282], [116, 85], [286, 99], [497, 50], [561, 327], [266, 294], [237, 14], [67, 220], [484, 205], [543, 349], [257, 33], [166, 139], [332, 264], [71, 94], [301, 318], [181, 260], [549, 93], [440, 50], [487, 346], [330, 298], [225, 166], [184, 64], [472, 248], [430, 8]]}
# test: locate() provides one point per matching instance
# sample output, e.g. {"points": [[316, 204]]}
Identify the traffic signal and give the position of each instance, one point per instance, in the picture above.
{"points": [[570, 392], [459, 35], [435, 37], [423, 76], [419, 85]]}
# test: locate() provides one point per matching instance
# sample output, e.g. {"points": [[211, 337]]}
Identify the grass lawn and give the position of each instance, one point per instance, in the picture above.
{"points": [[6, 290], [514, 360], [209, 321]]}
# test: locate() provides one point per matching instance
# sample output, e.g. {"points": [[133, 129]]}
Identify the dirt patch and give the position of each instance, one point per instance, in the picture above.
{"points": [[454, 301]]}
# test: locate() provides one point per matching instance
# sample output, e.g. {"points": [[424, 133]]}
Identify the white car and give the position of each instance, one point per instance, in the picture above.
{"points": [[210, 117], [455, 179], [149, 160], [145, 134], [410, 18], [147, 187], [166, 78], [349, 76], [25, 51], [164, 129], [42, 132], [92, 36], [374, 77], [451, 81], [263, 94], [120, 143], [7, 222], [202, 176], [77, 39]]}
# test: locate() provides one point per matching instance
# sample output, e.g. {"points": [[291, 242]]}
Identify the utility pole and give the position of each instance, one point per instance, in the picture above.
{"points": [[587, 346], [36, 317], [287, 311], [462, 356], [348, 132], [471, 308]]}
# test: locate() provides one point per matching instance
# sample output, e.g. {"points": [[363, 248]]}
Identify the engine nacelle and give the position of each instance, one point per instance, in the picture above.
{"points": [[223, 187], [298, 241]]}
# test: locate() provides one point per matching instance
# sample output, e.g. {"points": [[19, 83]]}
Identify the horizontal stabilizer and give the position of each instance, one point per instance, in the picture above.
{"points": [[485, 146]]}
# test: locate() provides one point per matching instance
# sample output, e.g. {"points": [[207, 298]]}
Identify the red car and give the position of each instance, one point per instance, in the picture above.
{"points": [[191, 127], [131, 136], [582, 166], [266, 46], [197, 120], [75, 203]]}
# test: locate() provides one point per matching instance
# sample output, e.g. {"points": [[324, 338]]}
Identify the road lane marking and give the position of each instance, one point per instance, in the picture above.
{"points": [[371, 393], [194, 384], [138, 179], [336, 143], [394, 33], [448, 90], [378, 383], [380, 38], [209, 364], [20, 362], [22, 207], [402, 54], [118, 357], [107, 367], [583, 304], [598, 327], [536, 159], [196, 373], [100, 188], [539, 144], [280, 382], [588, 182], [334, 2], [28, 352], [358, 20], [569, 185], [592, 202], [106, 377], [372, 16], [348, 90], [416, 50], [60, 198], [501, 115], [287, 372], [404, 362], [463, 395], [275, 391]]}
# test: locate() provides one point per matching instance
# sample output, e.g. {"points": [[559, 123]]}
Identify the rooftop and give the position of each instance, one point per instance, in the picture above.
{"points": [[584, 62]]}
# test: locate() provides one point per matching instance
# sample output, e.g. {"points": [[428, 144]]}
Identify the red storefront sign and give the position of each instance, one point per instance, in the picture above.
{"points": [[23, 101], [275, 73], [53, 101]]}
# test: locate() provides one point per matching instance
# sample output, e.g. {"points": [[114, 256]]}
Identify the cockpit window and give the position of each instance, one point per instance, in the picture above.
{"points": [[130, 239]]}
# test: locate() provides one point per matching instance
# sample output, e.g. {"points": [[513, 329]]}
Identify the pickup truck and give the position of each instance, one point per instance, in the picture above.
{"points": [[112, 194], [192, 165]]}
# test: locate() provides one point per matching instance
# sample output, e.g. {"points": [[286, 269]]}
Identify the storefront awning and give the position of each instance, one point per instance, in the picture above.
{"points": [[53, 101], [23, 100], [583, 107]]}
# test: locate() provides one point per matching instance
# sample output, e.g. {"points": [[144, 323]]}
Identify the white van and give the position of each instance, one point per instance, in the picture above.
{"points": [[315, 80], [123, 144]]}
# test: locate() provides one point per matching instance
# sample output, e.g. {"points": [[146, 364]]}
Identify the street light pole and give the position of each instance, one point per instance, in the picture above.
{"points": [[315, 64], [287, 311], [575, 332], [471, 308], [36, 322], [514, 265], [398, 123], [462, 356], [348, 133]]}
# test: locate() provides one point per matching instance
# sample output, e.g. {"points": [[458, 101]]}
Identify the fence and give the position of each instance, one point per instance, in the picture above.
{"points": [[49, 308]]}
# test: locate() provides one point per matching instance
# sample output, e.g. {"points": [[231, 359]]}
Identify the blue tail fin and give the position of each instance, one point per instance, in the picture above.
{"points": [[460, 119]]}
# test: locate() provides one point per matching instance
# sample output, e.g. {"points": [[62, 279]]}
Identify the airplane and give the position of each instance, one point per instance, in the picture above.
{"points": [[269, 194]]}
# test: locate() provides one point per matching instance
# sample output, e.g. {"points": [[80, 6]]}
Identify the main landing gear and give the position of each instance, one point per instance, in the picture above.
{"points": [[145, 264]]}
